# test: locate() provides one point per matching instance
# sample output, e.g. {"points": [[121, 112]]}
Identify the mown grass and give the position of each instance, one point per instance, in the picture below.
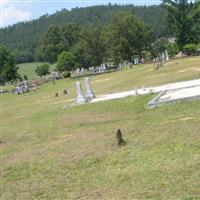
{"points": [[54, 152], [28, 69]]}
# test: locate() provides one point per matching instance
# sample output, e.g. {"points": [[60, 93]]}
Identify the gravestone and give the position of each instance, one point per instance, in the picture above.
{"points": [[80, 99], [120, 140], [18, 90], [166, 55], [25, 86], [65, 92], [89, 93]]}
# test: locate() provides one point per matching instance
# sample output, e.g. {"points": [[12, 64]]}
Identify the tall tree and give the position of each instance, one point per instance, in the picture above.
{"points": [[93, 42], [52, 44], [128, 36], [8, 70], [180, 20]]}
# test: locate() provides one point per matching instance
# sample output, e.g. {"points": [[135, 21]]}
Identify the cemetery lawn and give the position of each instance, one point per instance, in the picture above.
{"points": [[29, 69], [52, 152]]}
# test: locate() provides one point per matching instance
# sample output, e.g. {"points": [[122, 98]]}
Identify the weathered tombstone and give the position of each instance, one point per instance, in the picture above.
{"points": [[18, 90], [120, 140], [82, 70], [166, 55], [89, 93], [163, 57], [56, 94], [25, 86], [80, 99], [104, 67], [65, 92]]}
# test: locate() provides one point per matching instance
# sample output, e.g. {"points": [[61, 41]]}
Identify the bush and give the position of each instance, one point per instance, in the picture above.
{"points": [[66, 61], [66, 74], [25, 77], [172, 49], [190, 49], [42, 70]]}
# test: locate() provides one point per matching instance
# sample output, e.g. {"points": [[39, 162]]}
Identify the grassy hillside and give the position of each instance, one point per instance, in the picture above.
{"points": [[53, 151], [29, 69]]}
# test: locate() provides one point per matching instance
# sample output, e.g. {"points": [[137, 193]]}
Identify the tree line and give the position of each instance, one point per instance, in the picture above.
{"points": [[22, 39], [122, 38]]}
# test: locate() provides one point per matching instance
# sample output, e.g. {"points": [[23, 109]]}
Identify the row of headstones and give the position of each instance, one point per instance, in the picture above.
{"points": [[164, 56], [89, 93], [101, 68], [22, 89]]}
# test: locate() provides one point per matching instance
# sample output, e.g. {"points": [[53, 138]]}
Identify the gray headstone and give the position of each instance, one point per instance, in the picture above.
{"points": [[80, 99], [89, 93], [166, 55]]}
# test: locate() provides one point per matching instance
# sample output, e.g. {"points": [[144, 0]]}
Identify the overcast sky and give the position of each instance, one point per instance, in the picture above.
{"points": [[13, 11]]}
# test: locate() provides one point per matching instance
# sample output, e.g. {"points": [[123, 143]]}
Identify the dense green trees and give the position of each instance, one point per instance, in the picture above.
{"points": [[73, 46], [128, 36], [8, 70], [184, 21], [23, 38], [66, 61], [42, 70]]}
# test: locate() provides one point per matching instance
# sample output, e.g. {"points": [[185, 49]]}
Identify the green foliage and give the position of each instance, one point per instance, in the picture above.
{"points": [[42, 70], [128, 36], [25, 77], [190, 49], [172, 48], [66, 74], [183, 21], [52, 44], [159, 46], [66, 61], [22, 38], [8, 70], [94, 44]]}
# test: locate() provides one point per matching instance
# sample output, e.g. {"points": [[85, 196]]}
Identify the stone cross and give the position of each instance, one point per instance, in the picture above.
{"points": [[89, 93], [80, 99]]}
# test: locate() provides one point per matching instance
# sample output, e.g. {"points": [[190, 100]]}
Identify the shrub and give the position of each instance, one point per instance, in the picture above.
{"points": [[25, 77], [190, 49], [172, 49], [66, 61], [66, 74], [42, 70]]}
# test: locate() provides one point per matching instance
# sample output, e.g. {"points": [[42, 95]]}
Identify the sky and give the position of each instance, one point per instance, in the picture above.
{"points": [[13, 11]]}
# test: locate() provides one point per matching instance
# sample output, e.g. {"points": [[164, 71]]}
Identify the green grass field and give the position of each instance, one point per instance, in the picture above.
{"points": [[29, 69], [51, 150]]}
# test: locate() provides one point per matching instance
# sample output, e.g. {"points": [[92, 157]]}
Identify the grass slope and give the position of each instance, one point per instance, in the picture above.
{"points": [[49, 152], [29, 69]]}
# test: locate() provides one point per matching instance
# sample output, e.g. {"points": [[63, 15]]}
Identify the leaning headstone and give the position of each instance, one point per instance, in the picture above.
{"points": [[80, 99], [89, 93]]}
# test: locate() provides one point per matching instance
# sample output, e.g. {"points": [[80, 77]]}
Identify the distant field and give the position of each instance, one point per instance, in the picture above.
{"points": [[51, 150], [29, 69]]}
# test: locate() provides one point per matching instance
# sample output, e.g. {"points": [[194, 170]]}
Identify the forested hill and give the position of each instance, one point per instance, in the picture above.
{"points": [[22, 38]]}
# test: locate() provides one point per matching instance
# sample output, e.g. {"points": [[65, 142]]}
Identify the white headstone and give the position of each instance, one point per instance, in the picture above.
{"points": [[80, 99], [166, 55], [89, 93]]}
